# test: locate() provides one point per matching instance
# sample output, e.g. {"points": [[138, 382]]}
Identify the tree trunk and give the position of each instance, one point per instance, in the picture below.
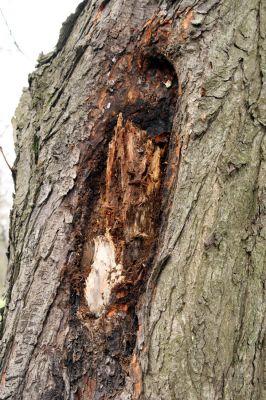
{"points": [[137, 240]]}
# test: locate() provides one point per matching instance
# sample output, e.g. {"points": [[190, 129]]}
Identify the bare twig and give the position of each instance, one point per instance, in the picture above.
{"points": [[7, 163], [11, 33]]}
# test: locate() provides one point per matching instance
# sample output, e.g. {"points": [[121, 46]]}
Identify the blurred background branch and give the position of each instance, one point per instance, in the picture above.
{"points": [[10, 32]]}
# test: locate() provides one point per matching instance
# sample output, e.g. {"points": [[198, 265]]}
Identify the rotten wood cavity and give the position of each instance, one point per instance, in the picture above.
{"points": [[127, 216], [124, 213]]}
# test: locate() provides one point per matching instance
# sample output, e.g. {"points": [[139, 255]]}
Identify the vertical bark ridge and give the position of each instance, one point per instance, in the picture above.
{"points": [[206, 319]]}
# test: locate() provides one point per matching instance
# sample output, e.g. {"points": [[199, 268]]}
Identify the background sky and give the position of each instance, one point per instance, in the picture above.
{"points": [[35, 26]]}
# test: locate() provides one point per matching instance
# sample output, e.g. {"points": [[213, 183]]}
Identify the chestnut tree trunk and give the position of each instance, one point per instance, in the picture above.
{"points": [[138, 231]]}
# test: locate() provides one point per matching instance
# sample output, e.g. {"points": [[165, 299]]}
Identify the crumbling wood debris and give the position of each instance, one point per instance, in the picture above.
{"points": [[124, 220]]}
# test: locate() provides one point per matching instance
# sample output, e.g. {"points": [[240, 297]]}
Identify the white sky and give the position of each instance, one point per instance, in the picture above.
{"points": [[35, 25]]}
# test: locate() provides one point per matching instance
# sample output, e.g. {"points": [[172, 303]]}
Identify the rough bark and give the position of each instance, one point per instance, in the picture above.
{"points": [[137, 241]]}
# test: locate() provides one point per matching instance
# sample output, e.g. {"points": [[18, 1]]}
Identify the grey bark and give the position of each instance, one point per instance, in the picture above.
{"points": [[199, 319]]}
